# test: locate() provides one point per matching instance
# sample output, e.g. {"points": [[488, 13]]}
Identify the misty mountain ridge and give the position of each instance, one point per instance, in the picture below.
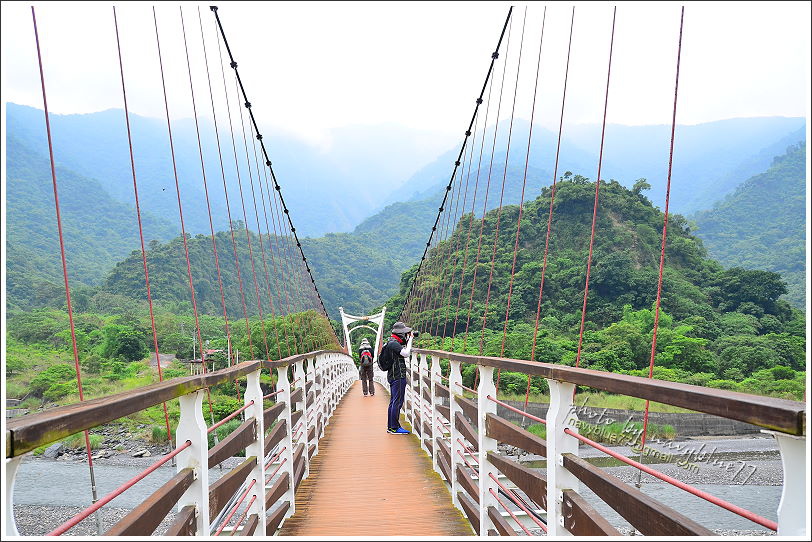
{"points": [[710, 159]]}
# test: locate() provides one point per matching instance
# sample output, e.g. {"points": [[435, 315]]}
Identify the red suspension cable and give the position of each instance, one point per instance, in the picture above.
{"points": [[597, 190], [552, 201], [140, 227], [208, 203], [487, 191], [665, 231], [524, 184], [62, 250], [228, 205], [180, 208], [502, 192]]}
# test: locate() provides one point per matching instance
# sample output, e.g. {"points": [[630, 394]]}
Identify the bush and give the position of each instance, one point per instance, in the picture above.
{"points": [[222, 407], [59, 390], [538, 429], [158, 435], [722, 384], [780, 372], [225, 430], [53, 375], [77, 440]]}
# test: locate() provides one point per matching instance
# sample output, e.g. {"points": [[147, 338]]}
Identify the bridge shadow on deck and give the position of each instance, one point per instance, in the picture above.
{"points": [[365, 482]]}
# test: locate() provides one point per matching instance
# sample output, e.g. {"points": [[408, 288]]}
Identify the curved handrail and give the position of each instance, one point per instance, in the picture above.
{"points": [[781, 415], [26, 433]]}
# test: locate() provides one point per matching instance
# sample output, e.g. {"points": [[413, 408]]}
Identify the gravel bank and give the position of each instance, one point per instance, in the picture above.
{"points": [[40, 520]]}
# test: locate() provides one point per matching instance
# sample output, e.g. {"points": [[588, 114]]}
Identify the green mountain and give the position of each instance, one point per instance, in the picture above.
{"points": [[170, 283], [762, 224], [718, 326], [98, 230]]}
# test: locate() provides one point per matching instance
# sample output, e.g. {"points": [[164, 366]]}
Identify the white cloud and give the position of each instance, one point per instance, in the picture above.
{"points": [[311, 67]]}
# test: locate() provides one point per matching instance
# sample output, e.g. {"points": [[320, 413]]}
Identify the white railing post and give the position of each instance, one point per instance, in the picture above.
{"points": [[411, 366], [253, 393], [485, 444], [286, 456], [299, 374], [192, 427], [12, 465], [311, 378], [423, 371], [455, 388], [435, 417], [561, 415], [793, 506]]}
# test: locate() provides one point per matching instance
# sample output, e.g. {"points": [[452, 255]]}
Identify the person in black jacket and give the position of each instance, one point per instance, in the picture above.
{"points": [[366, 369], [393, 359]]}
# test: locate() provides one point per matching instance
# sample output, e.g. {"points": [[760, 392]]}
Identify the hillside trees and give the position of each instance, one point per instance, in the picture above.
{"points": [[727, 324]]}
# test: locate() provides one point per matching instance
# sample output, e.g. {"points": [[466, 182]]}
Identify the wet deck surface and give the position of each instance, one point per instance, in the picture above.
{"points": [[366, 482]]}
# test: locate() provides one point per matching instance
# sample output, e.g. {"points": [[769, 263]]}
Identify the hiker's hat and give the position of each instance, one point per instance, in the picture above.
{"points": [[400, 328]]}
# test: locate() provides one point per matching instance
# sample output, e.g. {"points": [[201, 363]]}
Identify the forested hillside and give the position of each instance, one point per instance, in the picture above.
{"points": [[762, 225], [98, 230], [718, 326], [170, 283]]}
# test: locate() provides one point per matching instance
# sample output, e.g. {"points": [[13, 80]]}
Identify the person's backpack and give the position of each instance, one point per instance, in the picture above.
{"points": [[385, 359], [366, 358]]}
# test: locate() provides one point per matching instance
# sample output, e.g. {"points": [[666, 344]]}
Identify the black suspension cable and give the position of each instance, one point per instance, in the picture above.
{"points": [[494, 56], [265, 154]]}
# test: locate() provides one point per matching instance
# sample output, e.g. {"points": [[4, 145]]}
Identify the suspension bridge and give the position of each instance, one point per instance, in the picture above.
{"points": [[317, 459]]}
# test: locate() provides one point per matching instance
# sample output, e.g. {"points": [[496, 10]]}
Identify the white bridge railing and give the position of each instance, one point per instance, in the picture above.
{"points": [[279, 442], [459, 428]]}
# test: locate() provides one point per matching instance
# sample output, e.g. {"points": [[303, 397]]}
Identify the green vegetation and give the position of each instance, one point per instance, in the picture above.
{"points": [[111, 348], [98, 230], [725, 328], [762, 224]]}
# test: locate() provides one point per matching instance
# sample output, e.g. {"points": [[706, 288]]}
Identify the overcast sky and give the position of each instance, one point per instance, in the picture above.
{"points": [[311, 67]]}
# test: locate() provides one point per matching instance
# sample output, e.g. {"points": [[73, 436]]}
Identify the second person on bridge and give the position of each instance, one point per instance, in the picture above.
{"points": [[366, 369], [392, 359]]}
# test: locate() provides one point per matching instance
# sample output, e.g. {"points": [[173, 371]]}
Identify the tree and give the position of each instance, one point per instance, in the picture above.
{"points": [[123, 341], [640, 185]]}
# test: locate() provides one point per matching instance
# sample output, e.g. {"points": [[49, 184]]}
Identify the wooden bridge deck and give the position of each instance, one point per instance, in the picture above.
{"points": [[365, 482]]}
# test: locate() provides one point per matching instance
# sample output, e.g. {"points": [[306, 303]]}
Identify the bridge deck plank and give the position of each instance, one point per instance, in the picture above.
{"points": [[365, 482]]}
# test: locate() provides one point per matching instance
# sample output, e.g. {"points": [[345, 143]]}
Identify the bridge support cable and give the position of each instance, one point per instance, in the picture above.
{"points": [[253, 193], [472, 212], [264, 150], [272, 241], [552, 201], [494, 56], [450, 240], [64, 261], [289, 266], [451, 248], [140, 225], [180, 209], [597, 191], [445, 302], [664, 238], [208, 203], [502, 192], [228, 204], [278, 245], [524, 184], [487, 194], [441, 250]]}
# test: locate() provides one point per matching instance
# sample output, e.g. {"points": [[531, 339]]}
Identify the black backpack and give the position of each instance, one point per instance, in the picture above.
{"points": [[366, 358], [385, 359]]}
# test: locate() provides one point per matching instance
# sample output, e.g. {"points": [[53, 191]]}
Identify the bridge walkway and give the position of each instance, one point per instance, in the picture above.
{"points": [[365, 482]]}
